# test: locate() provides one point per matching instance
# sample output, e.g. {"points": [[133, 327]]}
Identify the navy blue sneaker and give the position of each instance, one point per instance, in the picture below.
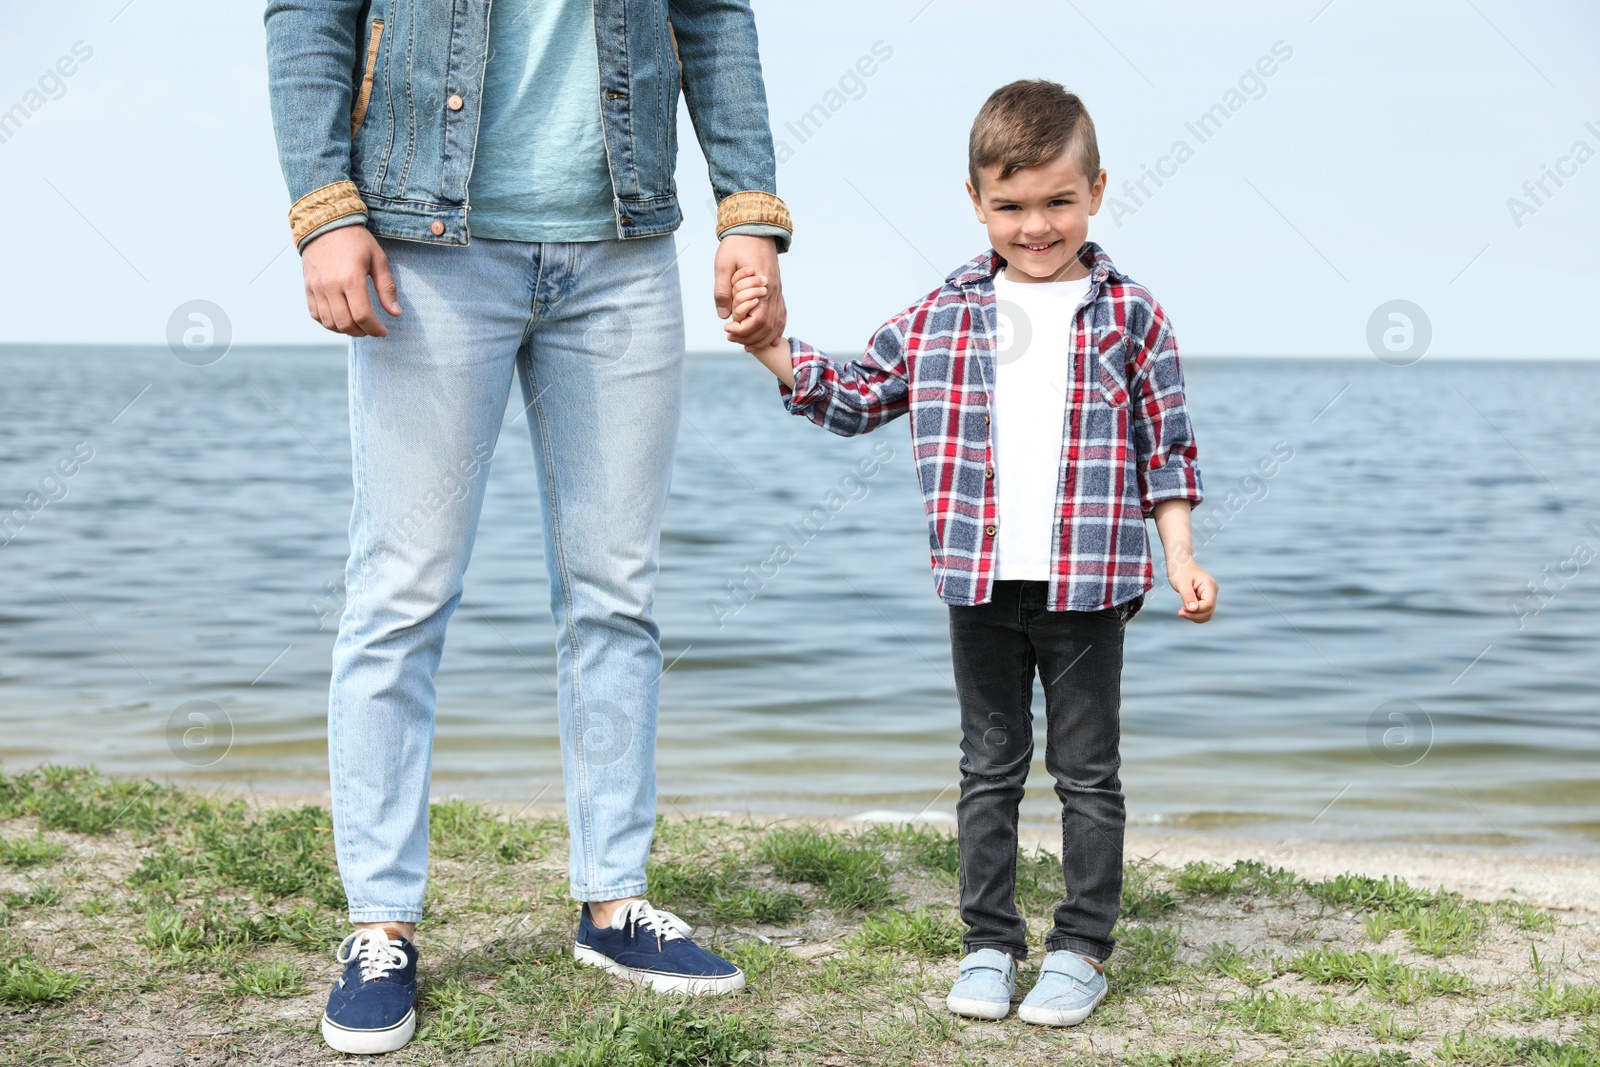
{"points": [[372, 1007], [652, 947]]}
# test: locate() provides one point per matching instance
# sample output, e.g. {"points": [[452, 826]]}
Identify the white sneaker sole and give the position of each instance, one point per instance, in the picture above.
{"points": [[1032, 1013], [661, 981], [369, 1042], [977, 1009]]}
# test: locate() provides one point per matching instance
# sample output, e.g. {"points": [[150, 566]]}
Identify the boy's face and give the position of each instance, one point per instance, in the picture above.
{"points": [[1039, 217]]}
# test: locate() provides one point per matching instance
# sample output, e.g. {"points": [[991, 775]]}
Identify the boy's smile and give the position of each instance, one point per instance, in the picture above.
{"points": [[1038, 218]]}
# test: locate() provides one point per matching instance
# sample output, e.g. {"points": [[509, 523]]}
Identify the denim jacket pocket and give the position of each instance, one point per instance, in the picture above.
{"points": [[358, 110], [1111, 368]]}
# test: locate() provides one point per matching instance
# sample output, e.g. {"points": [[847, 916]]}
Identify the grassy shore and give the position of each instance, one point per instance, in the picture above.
{"points": [[141, 923]]}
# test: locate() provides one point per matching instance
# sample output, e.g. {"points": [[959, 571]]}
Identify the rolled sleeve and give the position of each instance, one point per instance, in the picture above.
{"points": [[1163, 436]]}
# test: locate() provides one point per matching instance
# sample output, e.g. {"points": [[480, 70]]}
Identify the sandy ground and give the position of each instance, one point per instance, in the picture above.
{"points": [[1563, 883]]}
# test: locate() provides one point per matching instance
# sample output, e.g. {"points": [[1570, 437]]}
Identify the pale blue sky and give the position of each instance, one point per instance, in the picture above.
{"points": [[1375, 163]]}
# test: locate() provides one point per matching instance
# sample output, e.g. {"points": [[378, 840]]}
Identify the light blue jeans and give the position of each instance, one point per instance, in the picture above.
{"points": [[594, 332]]}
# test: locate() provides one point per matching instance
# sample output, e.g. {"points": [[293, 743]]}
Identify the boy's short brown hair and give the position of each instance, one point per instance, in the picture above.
{"points": [[1030, 123]]}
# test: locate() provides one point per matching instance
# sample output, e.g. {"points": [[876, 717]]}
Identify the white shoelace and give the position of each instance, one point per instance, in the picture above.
{"points": [[665, 925], [378, 954]]}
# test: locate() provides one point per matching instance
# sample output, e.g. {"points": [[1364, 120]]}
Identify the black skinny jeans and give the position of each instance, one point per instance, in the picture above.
{"points": [[998, 647]]}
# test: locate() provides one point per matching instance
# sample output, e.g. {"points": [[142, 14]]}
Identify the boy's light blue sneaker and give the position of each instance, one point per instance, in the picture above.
{"points": [[983, 991], [1068, 989]]}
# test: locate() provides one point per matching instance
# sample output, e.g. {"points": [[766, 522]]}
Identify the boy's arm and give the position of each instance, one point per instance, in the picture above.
{"points": [[846, 398], [1197, 588], [1163, 438], [1169, 479]]}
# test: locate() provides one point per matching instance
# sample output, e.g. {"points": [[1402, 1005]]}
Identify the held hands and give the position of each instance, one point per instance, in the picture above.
{"points": [[744, 254], [751, 295]]}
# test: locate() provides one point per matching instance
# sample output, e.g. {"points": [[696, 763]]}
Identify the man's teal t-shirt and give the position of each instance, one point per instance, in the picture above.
{"points": [[539, 171]]}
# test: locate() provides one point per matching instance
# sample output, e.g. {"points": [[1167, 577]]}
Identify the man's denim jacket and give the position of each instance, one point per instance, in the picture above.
{"points": [[375, 105]]}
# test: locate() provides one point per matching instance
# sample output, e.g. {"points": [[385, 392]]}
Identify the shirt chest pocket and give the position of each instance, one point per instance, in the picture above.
{"points": [[1111, 368]]}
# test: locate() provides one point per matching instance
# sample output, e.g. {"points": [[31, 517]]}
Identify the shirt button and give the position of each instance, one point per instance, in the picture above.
{"points": [[437, 227], [454, 103], [986, 420], [989, 473], [989, 530]]}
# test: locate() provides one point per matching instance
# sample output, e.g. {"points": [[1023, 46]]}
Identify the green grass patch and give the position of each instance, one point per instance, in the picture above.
{"points": [[1144, 956], [456, 1017], [919, 933], [1478, 1050], [25, 981], [35, 896], [1344, 1057], [658, 1037], [1292, 1015], [1364, 892], [269, 979], [81, 800], [24, 852], [1380, 972], [1142, 899], [720, 892], [1185, 1057], [1552, 1001], [1202, 879], [1436, 922], [1524, 917], [459, 829], [924, 848], [1226, 959], [849, 875]]}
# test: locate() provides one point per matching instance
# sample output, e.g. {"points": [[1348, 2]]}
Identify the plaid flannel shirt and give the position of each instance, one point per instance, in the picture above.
{"points": [[1127, 442]]}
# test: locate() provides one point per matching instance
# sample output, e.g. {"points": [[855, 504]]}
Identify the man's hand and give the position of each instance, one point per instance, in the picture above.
{"points": [[337, 265], [765, 324]]}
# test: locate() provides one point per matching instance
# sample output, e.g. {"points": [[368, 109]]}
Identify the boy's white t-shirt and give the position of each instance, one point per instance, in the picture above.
{"points": [[1033, 367]]}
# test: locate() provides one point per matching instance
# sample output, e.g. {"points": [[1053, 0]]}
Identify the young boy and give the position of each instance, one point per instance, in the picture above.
{"points": [[1047, 423]]}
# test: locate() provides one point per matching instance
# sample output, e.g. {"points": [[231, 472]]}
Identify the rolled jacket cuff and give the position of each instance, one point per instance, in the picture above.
{"points": [[343, 220], [321, 206], [760, 229], [740, 209]]}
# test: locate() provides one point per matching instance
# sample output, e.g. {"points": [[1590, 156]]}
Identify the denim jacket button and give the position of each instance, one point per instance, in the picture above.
{"points": [[437, 227], [454, 103]]}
